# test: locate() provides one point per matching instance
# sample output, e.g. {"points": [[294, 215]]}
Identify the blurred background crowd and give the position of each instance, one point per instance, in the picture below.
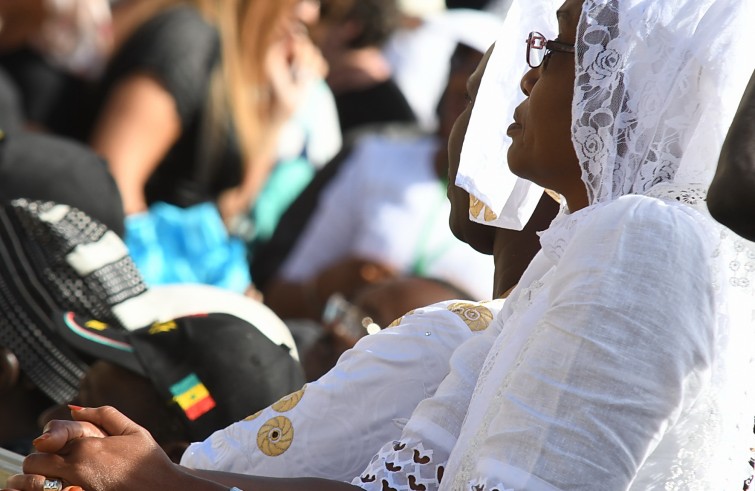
{"points": [[281, 161]]}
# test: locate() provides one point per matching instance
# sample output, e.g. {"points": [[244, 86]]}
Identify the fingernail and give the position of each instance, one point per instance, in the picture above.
{"points": [[73, 407], [42, 437]]}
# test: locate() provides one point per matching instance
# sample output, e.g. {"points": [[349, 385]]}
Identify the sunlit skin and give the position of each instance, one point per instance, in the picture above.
{"points": [[542, 150]]}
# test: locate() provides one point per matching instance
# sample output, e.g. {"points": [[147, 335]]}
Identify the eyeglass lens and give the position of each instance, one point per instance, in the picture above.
{"points": [[535, 49]]}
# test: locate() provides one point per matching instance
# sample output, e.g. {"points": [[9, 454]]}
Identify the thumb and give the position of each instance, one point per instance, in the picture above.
{"points": [[112, 421]]}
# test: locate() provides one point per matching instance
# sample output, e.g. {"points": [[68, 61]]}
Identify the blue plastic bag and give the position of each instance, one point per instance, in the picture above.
{"points": [[187, 245]]}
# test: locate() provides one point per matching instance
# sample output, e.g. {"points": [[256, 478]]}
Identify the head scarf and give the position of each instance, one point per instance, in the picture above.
{"points": [[657, 86], [656, 89]]}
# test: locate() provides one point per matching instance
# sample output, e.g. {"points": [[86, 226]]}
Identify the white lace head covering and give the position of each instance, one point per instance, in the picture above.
{"points": [[657, 85], [656, 89]]}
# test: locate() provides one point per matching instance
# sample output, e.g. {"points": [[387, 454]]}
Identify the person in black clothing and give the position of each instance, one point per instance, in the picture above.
{"points": [[351, 34], [191, 103]]}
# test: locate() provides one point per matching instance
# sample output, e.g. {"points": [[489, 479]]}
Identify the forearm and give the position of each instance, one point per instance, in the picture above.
{"points": [[135, 130], [255, 483], [307, 298], [262, 160]]}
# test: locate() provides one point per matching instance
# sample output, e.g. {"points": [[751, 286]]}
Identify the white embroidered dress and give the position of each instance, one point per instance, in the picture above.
{"points": [[623, 358]]}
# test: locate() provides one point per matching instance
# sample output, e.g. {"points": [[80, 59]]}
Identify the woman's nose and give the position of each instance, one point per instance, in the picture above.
{"points": [[529, 80]]}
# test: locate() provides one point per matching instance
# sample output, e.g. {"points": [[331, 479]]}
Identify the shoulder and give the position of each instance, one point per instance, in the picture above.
{"points": [[463, 314], [175, 26], [650, 220], [175, 42], [177, 47], [637, 238]]}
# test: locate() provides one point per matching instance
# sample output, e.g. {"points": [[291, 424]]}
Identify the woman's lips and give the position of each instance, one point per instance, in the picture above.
{"points": [[514, 127]]}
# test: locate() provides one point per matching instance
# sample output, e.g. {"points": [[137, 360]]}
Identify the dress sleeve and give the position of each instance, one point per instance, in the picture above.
{"points": [[333, 426], [624, 348], [180, 49], [418, 458]]}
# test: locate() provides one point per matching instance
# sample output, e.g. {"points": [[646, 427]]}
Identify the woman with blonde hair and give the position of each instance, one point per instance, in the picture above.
{"points": [[188, 113], [190, 82]]}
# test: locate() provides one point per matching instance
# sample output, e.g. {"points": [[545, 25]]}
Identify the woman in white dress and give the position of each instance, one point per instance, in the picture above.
{"points": [[622, 358]]}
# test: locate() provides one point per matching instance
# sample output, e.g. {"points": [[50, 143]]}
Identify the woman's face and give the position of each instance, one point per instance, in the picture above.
{"points": [[542, 149]]}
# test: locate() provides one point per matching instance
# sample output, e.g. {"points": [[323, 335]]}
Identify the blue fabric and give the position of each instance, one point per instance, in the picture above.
{"points": [[186, 245]]}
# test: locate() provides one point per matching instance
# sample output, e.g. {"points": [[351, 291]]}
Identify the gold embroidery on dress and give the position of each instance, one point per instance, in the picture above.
{"points": [[287, 403], [477, 317], [275, 436], [401, 319]]}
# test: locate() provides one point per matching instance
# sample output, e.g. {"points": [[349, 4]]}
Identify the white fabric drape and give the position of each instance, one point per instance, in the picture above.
{"points": [[483, 170]]}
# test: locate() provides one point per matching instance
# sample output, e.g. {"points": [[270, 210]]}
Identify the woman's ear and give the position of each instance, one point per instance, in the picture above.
{"points": [[175, 450], [9, 370]]}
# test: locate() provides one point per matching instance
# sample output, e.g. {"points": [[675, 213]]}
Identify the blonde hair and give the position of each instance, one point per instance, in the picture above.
{"points": [[239, 86]]}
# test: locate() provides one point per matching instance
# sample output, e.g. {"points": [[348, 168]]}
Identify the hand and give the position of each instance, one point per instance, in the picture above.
{"points": [[293, 62], [348, 276], [101, 450], [233, 204]]}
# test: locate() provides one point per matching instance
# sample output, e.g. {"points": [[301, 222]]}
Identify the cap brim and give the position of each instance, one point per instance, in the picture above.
{"points": [[98, 340]]}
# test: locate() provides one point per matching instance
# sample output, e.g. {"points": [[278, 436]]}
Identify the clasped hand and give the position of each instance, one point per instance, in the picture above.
{"points": [[101, 450]]}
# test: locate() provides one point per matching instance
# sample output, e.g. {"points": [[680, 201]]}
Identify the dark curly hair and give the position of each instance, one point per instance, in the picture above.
{"points": [[377, 18]]}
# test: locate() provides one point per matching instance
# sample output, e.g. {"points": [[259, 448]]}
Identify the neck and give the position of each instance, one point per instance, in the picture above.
{"points": [[513, 250], [577, 199]]}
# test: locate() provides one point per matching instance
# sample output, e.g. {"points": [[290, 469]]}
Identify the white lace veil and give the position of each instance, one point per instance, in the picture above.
{"points": [[657, 85]]}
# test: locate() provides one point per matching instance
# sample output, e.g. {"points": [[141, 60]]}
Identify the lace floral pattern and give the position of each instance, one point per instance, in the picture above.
{"points": [[401, 466], [635, 133], [481, 486]]}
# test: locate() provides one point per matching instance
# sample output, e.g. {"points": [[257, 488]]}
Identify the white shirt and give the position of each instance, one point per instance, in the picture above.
{"points": [[333, 427], [610, 367], [420, 57], [388, 205]]}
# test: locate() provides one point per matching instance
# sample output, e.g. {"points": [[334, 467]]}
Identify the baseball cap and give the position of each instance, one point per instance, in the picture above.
{"points": [[212, 369], [56, 257]]}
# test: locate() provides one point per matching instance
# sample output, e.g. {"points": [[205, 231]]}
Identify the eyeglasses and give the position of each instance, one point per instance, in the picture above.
{"points": [[538, 48]]}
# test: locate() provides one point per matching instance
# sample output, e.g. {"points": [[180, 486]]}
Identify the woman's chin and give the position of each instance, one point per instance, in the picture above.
{"points": [[517, 166]]}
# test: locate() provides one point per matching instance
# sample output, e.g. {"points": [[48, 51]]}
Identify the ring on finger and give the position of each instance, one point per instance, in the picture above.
{"points": [[52, 485]]}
